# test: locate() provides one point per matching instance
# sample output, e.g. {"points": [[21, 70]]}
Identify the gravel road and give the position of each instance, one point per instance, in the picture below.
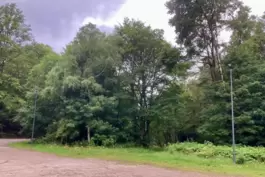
{"points": [[22, 163]]}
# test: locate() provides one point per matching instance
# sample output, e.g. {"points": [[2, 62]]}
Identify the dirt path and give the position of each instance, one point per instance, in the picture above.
{"points": [[20, 163]]}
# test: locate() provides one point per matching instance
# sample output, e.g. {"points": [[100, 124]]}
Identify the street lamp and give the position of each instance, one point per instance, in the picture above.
{"points": [[34, 115], [232, 113]]}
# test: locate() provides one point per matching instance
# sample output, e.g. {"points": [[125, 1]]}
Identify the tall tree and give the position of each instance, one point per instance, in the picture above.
{"points": [[198, 24], [144, 54], [242, 25], [246, 54], [13, 33]]}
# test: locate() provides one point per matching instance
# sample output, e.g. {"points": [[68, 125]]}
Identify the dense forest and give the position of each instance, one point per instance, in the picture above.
{"points": [[132, 86]]}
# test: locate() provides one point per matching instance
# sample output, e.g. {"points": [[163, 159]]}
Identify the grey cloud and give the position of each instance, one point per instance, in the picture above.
{"points": [[55, 22]]}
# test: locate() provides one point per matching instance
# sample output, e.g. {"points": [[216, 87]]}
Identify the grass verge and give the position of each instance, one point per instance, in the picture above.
{"points": [[158, 158]]}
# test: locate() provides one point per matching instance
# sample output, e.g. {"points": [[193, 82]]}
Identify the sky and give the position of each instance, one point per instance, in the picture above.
{"points": [[55, 22], [157, 16]]}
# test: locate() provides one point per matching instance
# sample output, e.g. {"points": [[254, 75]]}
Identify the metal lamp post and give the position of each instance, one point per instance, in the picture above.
{"points": [[34, 115], [232, 114]]}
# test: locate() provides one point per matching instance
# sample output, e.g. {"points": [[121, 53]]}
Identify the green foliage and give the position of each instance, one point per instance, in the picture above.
{"points": [[240, 160], [144, 70], [104, 133], [198, 25], [10, 101], [208, 150], [13, 33], [248, 75], [132, 86]]}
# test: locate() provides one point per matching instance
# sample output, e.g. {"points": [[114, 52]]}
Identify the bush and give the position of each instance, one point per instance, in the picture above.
{"points": [[110, 142], [103, 140], [240, 160], [208, 150]]}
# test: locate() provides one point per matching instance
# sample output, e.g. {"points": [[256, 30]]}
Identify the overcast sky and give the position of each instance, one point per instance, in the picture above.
{"points": [[55, 22], [154, 13]]}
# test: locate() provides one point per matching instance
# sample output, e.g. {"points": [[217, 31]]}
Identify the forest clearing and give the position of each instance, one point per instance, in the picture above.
{"points": [[135, 100]]}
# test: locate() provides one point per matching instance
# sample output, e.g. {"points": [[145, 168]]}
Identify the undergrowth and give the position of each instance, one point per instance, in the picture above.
{"points": [[208, 150]]}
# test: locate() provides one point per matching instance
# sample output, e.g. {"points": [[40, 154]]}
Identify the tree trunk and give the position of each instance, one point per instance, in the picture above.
{"points": [[88, 134], [2, 65]]}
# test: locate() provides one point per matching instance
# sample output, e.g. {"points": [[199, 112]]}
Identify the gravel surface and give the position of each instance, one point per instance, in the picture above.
{"points": [[22, 163]]}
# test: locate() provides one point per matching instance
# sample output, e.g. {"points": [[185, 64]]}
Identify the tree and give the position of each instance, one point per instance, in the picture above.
{"points": [[242, 25], [73, 101], [247, 58], [144, 57], [13, 33], [44, 59], [198, 24], [30, 56], [10, 101]]}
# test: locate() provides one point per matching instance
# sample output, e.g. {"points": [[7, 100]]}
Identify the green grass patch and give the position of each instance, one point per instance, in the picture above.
{"points": [[168, 159]]}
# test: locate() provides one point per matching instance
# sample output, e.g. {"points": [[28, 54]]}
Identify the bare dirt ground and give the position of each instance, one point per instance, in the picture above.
{"points": [[21, 163]]}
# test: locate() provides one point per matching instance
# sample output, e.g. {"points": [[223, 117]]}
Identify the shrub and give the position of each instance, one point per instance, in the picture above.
{"points": [[240, 160], [103, 140], [110, 142], [208, 150]]}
